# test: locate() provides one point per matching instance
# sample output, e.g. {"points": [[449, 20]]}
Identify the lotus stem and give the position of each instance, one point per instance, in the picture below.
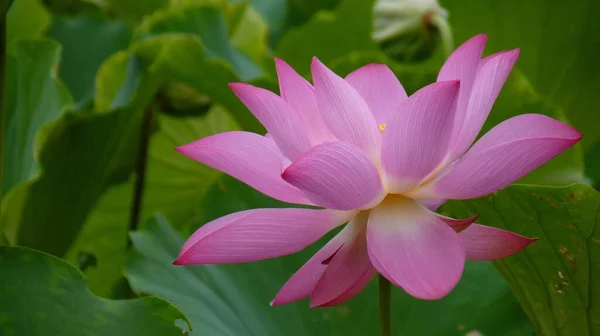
{"points": [[140, 169], [2, 97], [385, 307]]}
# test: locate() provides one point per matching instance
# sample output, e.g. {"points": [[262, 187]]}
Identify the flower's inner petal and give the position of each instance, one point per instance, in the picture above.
{"points": [[489, 243], [258, 234], [349, 271], [302, 283], [345, 112], [502, 156], [462, 65], [380, 89], [281, 121], [413, 248], [432, 204], [336, 175], [363, 280], [300, 95], [491, 75], [250, 158], [417, 139]]}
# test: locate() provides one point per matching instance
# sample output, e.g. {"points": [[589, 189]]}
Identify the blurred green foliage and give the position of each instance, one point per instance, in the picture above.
{"points": [[81, 74]]}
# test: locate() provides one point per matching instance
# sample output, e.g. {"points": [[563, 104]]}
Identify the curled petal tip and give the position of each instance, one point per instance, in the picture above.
{"points": [[571, 133], [277, 301], [459, 224], [481, 36], [451, 86], [285, 175], [236, 85], [453, 83], [313, 304], [279, 63], [479, 39], [187, 149], [512, 53], [328, 259], [177, 262], [316, 63], [180, 149]]}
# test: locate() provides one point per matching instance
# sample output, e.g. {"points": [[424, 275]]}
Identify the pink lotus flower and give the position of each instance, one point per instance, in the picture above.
{"points": [[370, 155]]}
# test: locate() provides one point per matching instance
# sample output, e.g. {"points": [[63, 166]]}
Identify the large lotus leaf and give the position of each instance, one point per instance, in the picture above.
{"points": [[182, 58], [87, 40], [132, 10], [25, 19], [555, 279], [276, 14], [79, 156], [35, 97], [44, 295], [249, 32], [175, 185], [208, 24]]}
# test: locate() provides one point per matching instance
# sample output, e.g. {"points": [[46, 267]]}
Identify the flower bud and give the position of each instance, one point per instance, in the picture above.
{"points": [[411, 30]]}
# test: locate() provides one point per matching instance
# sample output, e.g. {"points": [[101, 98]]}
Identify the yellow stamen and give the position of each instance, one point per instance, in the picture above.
{"points": [[382, 127]]}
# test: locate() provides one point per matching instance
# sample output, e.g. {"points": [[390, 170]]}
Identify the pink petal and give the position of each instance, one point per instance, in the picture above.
{"points": [[250, 158], [344, 111], [432, 204], [302, 283], [505, 154], [491, 75], [380, 89], [280, 120], [414, 249], [462, 65], [417, 139], [300, 95], [360, 284], [336, 175], [258, 234], [349, 271], [488, 243], [458, 225]]}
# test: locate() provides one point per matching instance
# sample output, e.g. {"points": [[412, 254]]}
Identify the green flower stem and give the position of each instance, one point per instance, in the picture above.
{"points": [[2, 95], [385, 307], [140, 169]]}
